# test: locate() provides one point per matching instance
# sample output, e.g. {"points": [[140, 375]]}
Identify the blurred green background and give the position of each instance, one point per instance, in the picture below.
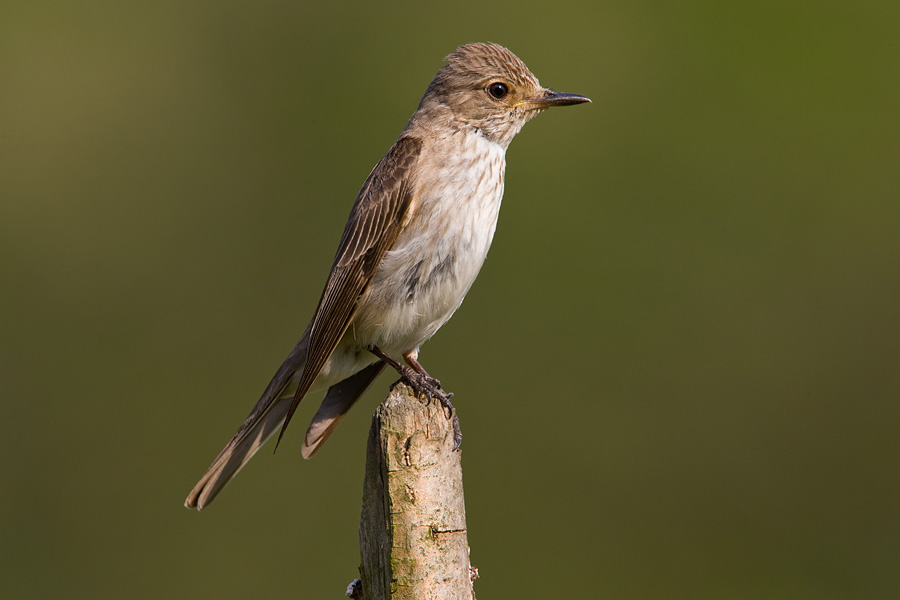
{"points": [[678, 374]]}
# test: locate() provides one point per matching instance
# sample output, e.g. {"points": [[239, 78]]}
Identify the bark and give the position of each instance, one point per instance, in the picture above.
{"points": [[412, 531]]}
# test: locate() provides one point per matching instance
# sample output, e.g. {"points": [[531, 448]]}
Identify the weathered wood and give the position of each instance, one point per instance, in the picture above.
{"points": [[412, 530]]}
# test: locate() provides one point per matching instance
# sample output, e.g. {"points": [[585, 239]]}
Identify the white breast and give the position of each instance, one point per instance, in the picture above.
{"points": [[423, 279]]}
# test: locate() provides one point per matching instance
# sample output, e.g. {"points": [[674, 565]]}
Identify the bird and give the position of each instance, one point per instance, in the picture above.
{"points": [[415, 240]]}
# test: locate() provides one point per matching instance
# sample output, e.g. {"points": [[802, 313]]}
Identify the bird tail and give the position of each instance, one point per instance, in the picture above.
{"points": [[263, 421], [338, 400]]}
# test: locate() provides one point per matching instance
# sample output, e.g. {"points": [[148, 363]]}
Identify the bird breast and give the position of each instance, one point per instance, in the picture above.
{"points": [[423, 278]]}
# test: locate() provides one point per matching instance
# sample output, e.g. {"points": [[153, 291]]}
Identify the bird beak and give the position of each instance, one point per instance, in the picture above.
{"points": [[552, 98]]}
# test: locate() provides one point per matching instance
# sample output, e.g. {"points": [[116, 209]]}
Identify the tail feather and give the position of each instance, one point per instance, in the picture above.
{"points": [[263, 421], [340, 397], [238, 453]]}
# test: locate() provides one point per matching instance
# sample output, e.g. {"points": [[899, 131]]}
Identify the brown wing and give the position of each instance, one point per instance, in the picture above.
{"points": [[374, 224]]}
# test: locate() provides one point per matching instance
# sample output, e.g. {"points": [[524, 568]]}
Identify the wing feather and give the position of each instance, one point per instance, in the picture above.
{"points": [[375, 222]]}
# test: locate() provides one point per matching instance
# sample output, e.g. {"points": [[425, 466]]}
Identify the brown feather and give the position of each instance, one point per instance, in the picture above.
{"points": [[375, 222], [340, 398]]}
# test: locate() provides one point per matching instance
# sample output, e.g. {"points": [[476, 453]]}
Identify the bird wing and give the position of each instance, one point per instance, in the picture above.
{"points": [[376, 219]]}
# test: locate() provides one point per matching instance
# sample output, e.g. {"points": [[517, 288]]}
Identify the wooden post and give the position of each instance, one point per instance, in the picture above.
{"points": [[412, 532]]}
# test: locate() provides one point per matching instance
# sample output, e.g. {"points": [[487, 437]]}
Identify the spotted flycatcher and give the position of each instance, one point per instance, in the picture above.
{"points": [[415, 240]]}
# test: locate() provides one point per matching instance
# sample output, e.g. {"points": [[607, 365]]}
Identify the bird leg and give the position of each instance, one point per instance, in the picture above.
{"points": [[411, 359], [414, 375], [424, 384]]}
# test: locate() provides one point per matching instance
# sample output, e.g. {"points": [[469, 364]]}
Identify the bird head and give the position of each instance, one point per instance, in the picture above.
{"points": [[487, 87]]}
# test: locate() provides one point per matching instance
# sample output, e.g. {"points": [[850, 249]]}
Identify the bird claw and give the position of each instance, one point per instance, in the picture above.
{"points": [[428, 388], [457, 432]]}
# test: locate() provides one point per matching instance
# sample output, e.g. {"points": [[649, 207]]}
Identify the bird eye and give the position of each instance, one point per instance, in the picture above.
{"points": [[498, 91]]}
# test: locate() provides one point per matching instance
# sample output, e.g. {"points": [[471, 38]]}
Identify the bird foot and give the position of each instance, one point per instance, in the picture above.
{"points": [[428, 388]]}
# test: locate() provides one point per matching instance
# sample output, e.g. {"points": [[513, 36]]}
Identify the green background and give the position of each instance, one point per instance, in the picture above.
{"points": [[678, 374]]}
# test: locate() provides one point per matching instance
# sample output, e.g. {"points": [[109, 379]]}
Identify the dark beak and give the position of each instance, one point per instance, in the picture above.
{"points": [[552, 98]]}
